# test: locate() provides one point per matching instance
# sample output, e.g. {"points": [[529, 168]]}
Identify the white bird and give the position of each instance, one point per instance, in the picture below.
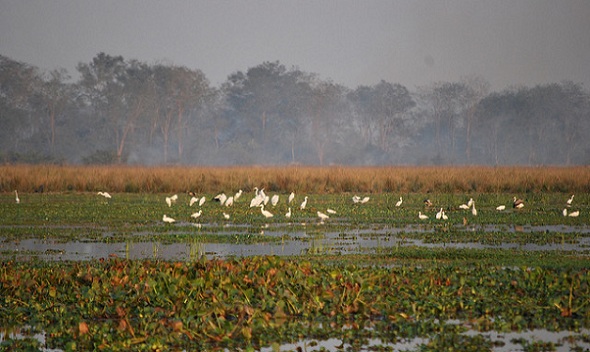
{"points": [[500, 207], [399, 202], [570, 200], [444, 216], [427, 202], [331, 211], [473, 210], [193, 201], [364, 200], [238, 195], [197, 214], [470, 202], [274, 200], [303, 204], [17, 199], [229, 202], [202, 201], [323, 216], [517, 203], [439, 214], [169, 201], [221, 198], [464, 206], [356, 199], [422, 216], [167, 219], [574, 214], [267, 214], [564, 211], [226, 216], [104, 194], [291, 197], [256, 201], [288, 215], [266, 200]]}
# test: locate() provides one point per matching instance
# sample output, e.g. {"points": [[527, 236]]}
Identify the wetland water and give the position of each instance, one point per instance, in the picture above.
{"points": [[285, 241]]}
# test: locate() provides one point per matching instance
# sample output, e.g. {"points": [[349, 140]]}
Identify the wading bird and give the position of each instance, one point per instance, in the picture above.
{"points": [[574, 214], [193, 201], [288, 215], [356, 199], [331, 211], [364, 200], [104, 194], [303, 204], [500, 207], [422, 216], [197, 214], [229, 202], [444, 216], [464, 206], [322, 216], [470, 202], [517, 203], [274, 200], [564, 211], [226, 216], [202, 201], [267, 214], [473, 210], [16, 198], [167, 219], [399, 202], [221, 198], [238, 195], [439, 214], [291, 197], [570, 200], [427, 202]]}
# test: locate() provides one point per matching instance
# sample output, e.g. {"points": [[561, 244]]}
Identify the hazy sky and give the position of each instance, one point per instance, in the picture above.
{"points": [[412, 42]]}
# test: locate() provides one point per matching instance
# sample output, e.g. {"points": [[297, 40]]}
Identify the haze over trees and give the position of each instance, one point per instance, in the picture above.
{"points": [[128, 111]]}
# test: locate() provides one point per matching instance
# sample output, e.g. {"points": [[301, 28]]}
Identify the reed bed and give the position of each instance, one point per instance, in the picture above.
{"points": [[301, 179]]}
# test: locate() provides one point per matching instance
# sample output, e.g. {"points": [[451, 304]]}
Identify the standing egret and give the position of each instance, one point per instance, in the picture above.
{"points": [[291, 197], [267, 214], [356, 199], [226, 216], [399, 202], [256, 201], [564, 211], [470, 202], [274, 200], [364, 200], [193, 201], [169, 201], [202, 201], [473, 210], [104, 194], [422, 216], [16, 198], [174, 198], [439, 214], [322, 216], [221, 198], [197, 214], [303, 204], [517, 203], [444, 216], [288, 215], [574, 214], [570, 200], [500, 207], [229, 202], [238, 195], [167, 219]]}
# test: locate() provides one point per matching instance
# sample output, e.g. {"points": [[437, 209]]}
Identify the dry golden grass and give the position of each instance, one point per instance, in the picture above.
{"points": [[308, 179]]}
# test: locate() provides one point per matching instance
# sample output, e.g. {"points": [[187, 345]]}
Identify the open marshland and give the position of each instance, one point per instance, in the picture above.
{"points": [[82, 271]]}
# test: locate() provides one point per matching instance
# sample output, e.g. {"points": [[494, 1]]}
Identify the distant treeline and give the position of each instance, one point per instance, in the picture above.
{"points": [[129, 112], [300, 179]]}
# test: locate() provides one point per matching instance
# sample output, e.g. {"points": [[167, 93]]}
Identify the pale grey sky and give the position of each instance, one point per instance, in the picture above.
{"points": [[412, 42]]}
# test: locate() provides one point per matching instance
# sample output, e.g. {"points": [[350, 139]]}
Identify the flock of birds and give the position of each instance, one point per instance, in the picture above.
{"points": [[261, 199]]}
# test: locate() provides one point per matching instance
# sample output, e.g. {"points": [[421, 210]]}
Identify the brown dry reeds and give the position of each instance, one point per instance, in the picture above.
{"points": [[301, 179]]}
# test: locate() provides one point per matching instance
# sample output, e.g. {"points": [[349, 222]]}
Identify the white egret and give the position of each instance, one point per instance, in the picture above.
{"points": [[574, 214], [266, 200], [356, 199], [169, 201], [570, 200], [500, 207], [229, 202], [517, 203], [16, 198], [427, 202], [274, 200], [256, 201], [288, 215], [331, 211], [464, 206], [238, 195], [564, 211], [226, 216], [174, 198], [267, 214], [473, 210], [364, 200], [439, 214], [221, 198], [167, 219], [193, 201], [202, 201], [399, 202], [444, 216], [322, 216], [104, 194], [303, 204], [422, 216], [470, 202], [197, 214], [291, 197]]}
